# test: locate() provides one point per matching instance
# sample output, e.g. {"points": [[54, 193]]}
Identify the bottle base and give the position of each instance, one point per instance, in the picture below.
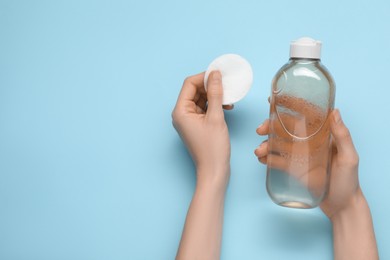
{"points": [[287, 191], [296, 205]]}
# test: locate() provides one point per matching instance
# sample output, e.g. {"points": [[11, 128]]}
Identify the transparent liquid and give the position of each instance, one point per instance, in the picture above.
{"points": [[299, 141], [297, 165]]}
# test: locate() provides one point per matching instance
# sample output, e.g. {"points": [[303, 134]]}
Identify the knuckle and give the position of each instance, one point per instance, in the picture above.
{"points": [[178, 118], [345, 133], [187, 80], [173, 124], [214, 92], [353, 160], [175, 116]]}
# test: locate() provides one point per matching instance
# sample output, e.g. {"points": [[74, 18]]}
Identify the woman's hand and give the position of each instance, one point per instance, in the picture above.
{"points": [[198, 117], [345, 204], [344, 183]]}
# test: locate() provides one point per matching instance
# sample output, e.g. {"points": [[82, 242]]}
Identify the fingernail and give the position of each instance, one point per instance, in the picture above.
{"points": [[337, 116]]}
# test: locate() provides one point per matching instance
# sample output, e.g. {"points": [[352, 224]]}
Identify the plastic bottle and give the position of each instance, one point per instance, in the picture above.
{"points": [[302, 98]]}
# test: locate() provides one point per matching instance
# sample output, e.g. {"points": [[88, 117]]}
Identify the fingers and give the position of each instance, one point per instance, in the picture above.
{"points": [[191, 98], [342, 138], [263, 129], [214, 95], [262, 160], [262, 150], [202, 101], [192, 88]]}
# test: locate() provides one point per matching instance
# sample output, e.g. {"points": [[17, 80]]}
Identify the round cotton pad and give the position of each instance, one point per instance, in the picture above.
{"points": [[237, 76]]}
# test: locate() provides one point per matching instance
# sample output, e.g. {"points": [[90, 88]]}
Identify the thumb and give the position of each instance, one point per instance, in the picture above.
{"points": [[214, 94], [342, 137]]}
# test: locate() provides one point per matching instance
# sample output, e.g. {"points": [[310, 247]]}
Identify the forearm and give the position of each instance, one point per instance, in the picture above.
{"points": [[202, 232], [353, 232]]}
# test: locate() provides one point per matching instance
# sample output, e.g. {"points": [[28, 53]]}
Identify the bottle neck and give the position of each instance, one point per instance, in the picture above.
{"points": [[304, 60]]}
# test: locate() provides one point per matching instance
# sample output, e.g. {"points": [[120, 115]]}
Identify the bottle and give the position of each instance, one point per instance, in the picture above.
{"points": [[302, 97]]}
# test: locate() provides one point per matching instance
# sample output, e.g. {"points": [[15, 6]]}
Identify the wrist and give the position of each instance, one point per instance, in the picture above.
{"points": [[216, 177], [353, 231], [356, 206]]}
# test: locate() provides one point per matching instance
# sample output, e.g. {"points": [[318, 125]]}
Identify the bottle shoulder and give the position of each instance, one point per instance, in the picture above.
{"points": [[321, 67], [303, 69]]}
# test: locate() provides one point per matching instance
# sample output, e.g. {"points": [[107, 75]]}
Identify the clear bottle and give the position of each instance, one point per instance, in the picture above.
{"points": [[302, 97]]}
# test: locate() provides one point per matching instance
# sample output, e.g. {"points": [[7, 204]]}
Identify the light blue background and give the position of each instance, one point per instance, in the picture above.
{"points": [[90, 165]]}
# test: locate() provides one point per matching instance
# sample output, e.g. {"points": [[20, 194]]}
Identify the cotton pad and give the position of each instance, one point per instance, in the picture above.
{"points": [[237, 76]]}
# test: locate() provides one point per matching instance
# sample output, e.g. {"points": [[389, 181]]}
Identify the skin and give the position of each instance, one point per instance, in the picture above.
{"points": [[198, 118], [345, 204]]}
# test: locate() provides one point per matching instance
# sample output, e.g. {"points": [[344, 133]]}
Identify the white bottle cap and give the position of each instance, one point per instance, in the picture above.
{"points": [[305, 47], [237, 77]]}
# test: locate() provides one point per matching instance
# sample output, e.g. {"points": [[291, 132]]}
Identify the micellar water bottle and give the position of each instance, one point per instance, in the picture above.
{"points": [[302, 97]]}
